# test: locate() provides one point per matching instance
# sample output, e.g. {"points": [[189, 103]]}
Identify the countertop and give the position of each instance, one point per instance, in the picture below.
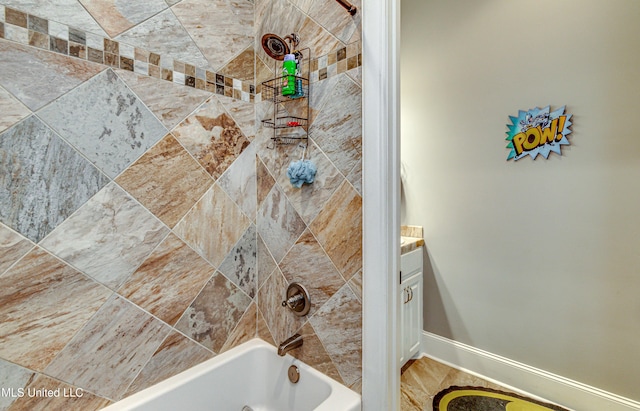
{"points": [[409, 244]]}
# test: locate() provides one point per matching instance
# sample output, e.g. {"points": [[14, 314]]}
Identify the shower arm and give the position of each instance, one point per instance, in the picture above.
{"points": [[350, 7]]}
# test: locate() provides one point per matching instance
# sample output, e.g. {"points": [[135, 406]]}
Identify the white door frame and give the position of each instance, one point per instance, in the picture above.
{"points": [[381, 203]]}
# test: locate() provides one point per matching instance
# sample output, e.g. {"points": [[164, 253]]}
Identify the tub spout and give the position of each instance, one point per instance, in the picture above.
{"points": [[289, 344]]}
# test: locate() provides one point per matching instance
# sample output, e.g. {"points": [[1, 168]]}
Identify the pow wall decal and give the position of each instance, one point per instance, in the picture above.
{"points": [[538, 131]]}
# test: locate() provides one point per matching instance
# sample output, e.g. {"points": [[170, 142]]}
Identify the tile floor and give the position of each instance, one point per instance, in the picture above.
{"points": [[423, 378]]}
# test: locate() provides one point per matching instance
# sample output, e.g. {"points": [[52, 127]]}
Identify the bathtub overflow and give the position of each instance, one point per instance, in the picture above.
{"points": [[294, 374]]}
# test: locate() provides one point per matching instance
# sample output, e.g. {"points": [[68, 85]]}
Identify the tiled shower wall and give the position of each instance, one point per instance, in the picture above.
{"points": [[147, 223]]}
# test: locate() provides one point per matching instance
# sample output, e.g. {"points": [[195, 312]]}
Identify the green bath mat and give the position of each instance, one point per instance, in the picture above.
{"points": [[485, 399]]}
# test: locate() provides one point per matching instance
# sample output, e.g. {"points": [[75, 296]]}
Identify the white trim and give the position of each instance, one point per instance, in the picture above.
{"points": [[529, 380], [381, 204]]}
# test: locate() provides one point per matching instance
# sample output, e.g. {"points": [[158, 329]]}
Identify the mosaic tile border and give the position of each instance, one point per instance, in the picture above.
{"points": [[31, 30], [338, 62]]}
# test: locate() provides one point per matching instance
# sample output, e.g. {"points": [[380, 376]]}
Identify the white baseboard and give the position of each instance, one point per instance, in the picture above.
{"points": [[530, 381]]}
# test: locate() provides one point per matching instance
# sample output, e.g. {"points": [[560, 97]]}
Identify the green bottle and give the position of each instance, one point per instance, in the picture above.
{"points": [[289, 68]]}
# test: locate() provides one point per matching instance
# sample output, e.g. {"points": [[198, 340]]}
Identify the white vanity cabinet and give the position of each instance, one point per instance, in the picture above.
{"points": [[410, 304]]}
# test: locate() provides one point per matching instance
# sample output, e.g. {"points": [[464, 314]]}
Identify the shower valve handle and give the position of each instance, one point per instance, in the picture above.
{"points": [[297, 299], [294, 302]]}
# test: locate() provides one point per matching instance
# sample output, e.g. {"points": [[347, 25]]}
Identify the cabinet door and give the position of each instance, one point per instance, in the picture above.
{"points": [[404, 324], [413, 315], [410, 300]]}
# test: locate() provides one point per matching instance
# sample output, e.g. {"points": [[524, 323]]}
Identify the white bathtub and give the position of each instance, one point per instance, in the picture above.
{"points": [[251, 374]]}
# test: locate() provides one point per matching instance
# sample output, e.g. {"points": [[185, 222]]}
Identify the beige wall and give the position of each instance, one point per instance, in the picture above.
{"points": [[538, 260]]}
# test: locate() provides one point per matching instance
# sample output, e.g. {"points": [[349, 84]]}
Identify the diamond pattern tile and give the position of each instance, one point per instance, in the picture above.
{"points": [[240, 265], [213, 226], [338, 229], [37, 77], [44, 179], [168, 281], [166, 180], [212, 137], [120, 237], [106, 122], [12, 110], [279, 224], [118, 16], [215, 313], [120, 338], [43, 303], [12, 247]]}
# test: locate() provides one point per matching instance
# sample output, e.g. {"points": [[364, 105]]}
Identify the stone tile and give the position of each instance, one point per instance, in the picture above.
{"points": [[338, 229], [170, 102], [239, 181], [105, 121], [281, 322], [13, 246], [336, 20], [12, 377], [244, 331], [69, 12], [313, 353], [12, 110], [309, 199], [213, 226], [279, 224], [412, 402], [355, 177], [264, 71], [166, 180], [220, 29], [168, 281], [37, 77], [323, 40], [83, 401], [357, 387], [356, 285], [308, 264], [356, 75], [265, 181], [212, 136], [16, 17], [241, 67], [420, 382], [50, 180], [240, 265], [120, 338], [243, 113], [16, 34], [43, 303], [215, 313], [118, 16], [120, 237], [338, 127], [176, 354], [265, 262], [165, 35], [263, 330], [303, 5], [343, 343]]}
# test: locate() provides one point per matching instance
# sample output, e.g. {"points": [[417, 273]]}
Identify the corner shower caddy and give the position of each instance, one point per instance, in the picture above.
{"points": [[288, 128]]}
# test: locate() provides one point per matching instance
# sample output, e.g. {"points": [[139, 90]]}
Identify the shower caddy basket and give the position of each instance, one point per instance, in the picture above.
{"points": [[287, 127]]}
